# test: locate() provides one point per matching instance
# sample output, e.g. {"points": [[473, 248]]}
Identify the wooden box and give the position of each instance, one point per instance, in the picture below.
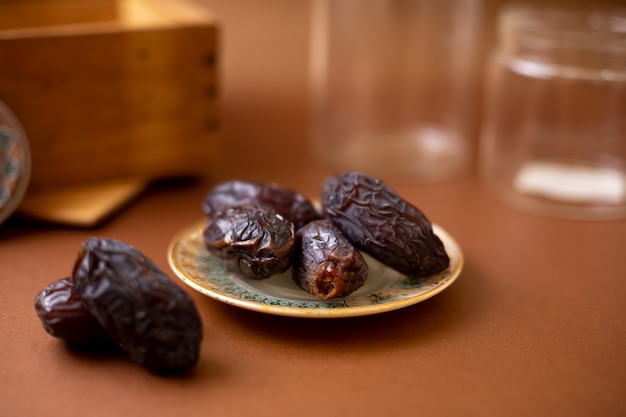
{"points": [[131, 93], [33, 13]]}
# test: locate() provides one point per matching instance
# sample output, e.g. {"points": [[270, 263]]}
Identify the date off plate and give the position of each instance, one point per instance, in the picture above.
{"points": [[384, 290]]}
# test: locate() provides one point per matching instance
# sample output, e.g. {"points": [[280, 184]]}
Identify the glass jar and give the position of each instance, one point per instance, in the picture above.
{"points": [[393, 85], [554, 132]]}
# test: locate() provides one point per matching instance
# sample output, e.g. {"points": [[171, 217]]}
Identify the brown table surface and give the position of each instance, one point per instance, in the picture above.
{"points": [[534, 326]]}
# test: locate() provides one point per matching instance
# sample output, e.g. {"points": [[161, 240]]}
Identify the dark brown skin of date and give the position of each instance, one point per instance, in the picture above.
{"points": [[64, 316], [151, 318], [290, 204], [326, 264], [252, 241], [381, 223]]}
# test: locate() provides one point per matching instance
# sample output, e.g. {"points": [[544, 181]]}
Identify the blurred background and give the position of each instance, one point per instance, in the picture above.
{"points": [[248, 83], [264, 63]]}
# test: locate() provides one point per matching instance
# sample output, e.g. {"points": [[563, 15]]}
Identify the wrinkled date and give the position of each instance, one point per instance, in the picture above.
{"points": [[381, 223], [63, 315], [151, 318], [325, 263], [251, 240], [290, 204]]}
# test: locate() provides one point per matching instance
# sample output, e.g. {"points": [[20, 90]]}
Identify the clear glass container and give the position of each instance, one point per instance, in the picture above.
{"points": [[554, 133], [393, 85]]}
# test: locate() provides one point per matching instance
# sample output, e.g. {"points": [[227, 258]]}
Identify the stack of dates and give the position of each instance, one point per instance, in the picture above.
{"points": [[116, 295], [261, 229]]}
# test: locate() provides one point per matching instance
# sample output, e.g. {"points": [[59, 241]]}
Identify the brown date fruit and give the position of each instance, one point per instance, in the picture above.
{"points": [[63, 315], [381, 223], [290, 204], [150, 317], [325, 263], [251, 240]]}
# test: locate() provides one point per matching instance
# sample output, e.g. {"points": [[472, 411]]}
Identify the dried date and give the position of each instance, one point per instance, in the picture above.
{"points": [[251, 240], [64, 316], [151, 318], [290, 204], [326, 264], [380, 222]]}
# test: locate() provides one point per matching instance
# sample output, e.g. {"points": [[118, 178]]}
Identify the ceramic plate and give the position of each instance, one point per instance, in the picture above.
{"points": [[384, 290], [15, 161]]}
